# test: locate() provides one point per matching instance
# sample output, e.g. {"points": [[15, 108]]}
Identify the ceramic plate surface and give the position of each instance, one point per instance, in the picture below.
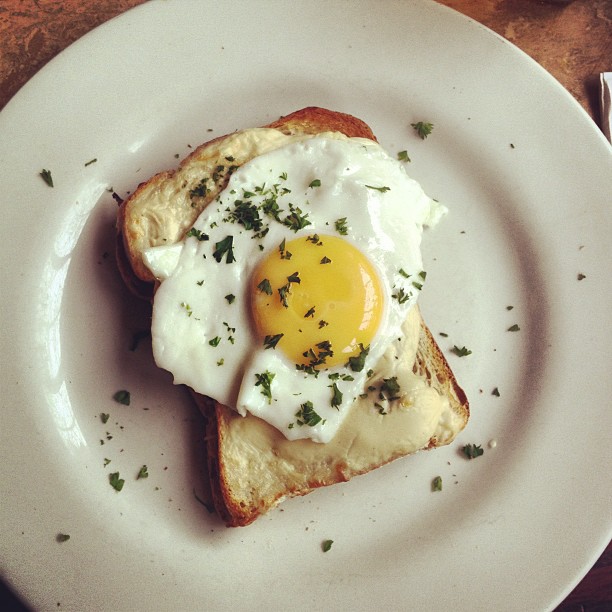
{"points": [[527, 178]]}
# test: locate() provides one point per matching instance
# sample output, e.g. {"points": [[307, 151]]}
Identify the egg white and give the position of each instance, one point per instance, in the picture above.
{"points": [[202, 328]]}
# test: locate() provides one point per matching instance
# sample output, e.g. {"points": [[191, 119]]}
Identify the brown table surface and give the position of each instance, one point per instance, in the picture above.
{"points": [[573, 41]]}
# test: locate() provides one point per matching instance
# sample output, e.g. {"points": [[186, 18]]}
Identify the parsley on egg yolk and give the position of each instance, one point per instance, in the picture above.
{"points": [[346, 293]]}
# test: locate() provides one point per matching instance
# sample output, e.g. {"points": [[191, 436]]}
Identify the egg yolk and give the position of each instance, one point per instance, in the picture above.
{"points": [[318, 299]]}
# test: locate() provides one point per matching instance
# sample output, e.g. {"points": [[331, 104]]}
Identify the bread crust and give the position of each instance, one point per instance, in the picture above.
{"points": [[235, 507]]}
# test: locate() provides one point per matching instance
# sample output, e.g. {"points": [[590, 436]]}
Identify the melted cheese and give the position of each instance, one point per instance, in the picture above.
{"points": [[365, 440]]}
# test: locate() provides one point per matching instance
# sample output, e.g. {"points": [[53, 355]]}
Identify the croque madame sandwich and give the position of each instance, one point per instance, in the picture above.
{"points": [[284, 267]]}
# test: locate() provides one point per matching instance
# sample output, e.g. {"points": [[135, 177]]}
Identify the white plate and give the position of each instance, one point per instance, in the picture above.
{"points": [[527, 177]]}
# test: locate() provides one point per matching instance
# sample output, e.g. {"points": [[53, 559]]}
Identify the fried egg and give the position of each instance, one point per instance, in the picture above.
{"points": [[291, 284]]}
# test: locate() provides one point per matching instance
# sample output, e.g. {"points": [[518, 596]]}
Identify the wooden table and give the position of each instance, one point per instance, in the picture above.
{"points": [[573, 41]]}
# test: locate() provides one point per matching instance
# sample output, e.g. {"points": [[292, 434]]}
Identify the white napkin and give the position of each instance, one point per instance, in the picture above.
{"points": [[605, 81]]}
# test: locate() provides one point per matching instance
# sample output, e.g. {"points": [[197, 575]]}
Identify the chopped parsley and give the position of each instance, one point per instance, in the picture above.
{"points": [[423, 129], [390, 389], [326, 545], [401, 296], [246, 214], [62, 537], [199, 191], [310, 313], [265, 287], [142, 473], [336, 399], [325, 260], [122, 397], [403, 156], [514, 328], [104, 416], [265, 382], [196, 233], [471, 451], [294, 278], [307, 415], [225, 247], [495, 392], [91, 161], [282, 294], [358, 363], [295, 220], [436, 483], [272, 341], [381, 189], [284, 254], [315, 183], [461, 352], [581, 276], [215, 341], [116, 482], [187, 308], [340, 226], [322, 324], [404, 273], [46, 176], [230, 297]]}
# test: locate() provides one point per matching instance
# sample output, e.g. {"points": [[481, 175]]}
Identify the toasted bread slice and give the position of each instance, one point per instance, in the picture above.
{"points": [[252, 466]]}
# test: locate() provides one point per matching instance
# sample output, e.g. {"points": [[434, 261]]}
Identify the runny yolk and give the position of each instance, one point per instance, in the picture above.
{"points": [[322, 294]]}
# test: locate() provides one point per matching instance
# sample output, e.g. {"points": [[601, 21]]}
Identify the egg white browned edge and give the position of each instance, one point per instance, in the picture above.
{"points": [[237, 501]]}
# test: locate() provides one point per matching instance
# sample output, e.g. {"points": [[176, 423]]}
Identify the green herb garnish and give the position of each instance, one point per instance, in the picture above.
{"points": [[215, 341], [390, 389], [381, 189], [91, 161], [295, 220], [272, 341], [307, 415], [122, 397], [196, 233], [325, 260], [116, 482], [315, 183], [423, 129], [230, 297], [514, 327], [471, 451], [336, 399], [436, 483], [461, 352], [495, 392], [265, 381], [401, 296], [357, 363], [326, 545], [62, 537], [265, 287], [142, 473], [224, 247], [340, 225], [403, 156], [46, 176], [294, 278], [310, 313]]}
